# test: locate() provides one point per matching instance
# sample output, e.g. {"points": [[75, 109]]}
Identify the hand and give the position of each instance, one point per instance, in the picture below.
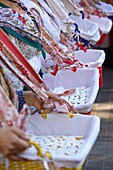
{"points": [[33, 100], [12, 142], [54, 97], [49, 105]]}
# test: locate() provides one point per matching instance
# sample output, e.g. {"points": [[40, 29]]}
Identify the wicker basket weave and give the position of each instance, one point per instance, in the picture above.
{"points": [[34, 165]]}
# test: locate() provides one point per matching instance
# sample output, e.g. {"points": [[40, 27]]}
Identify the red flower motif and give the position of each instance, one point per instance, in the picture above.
{"points": [[22, 19]]}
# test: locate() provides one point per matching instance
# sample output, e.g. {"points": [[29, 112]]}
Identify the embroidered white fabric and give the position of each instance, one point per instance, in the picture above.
{"points": [[80, 97], [59, 144]]}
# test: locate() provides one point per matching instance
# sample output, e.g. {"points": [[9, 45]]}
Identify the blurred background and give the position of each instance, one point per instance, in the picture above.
{"points": [[101, 156]]}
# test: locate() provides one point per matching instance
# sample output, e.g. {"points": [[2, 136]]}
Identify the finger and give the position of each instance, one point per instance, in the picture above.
{"points": [[21, 144], [74, 110], [15, 158], [20, 133], [53, 96]]}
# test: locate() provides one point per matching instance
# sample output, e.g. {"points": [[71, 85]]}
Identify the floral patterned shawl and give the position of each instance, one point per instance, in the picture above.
{"points": [[6, 85], [8, 100], [21, 27]]}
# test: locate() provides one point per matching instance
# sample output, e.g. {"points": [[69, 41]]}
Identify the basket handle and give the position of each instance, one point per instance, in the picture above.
{"points": [[44, 156], [39, 149]]}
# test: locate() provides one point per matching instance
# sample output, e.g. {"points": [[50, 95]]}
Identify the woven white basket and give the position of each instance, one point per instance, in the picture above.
{"points": [[104, 23], [60, 124], [80, 78], [94, 58], [87, 28], [106, 8]]}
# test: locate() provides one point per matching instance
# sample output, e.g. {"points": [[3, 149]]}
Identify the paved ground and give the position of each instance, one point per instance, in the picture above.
{"points": [[101, 156]]}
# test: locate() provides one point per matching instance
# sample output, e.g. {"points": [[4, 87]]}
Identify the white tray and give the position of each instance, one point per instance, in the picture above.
{"points": [[104, 24], [70, 80], [60, 124]]}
